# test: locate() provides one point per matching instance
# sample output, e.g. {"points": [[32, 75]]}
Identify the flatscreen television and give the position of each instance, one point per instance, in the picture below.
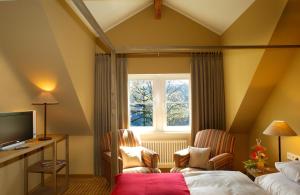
{"points": [[16, 128]]}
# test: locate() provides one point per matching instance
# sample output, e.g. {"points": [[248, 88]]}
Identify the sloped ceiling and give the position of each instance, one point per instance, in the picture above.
{"points": [[255, 26], [29, 44], [271, 67], [216, 15], [143, 29], [78, 52], [110, 13]]}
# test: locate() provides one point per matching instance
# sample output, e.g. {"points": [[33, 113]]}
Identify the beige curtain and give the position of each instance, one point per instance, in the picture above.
{"points": [[207, 85], [122, 82], [102, 105]]}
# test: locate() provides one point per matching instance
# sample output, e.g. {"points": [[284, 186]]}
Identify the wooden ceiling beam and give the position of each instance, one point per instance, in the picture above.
{"points": [[157, 8]]}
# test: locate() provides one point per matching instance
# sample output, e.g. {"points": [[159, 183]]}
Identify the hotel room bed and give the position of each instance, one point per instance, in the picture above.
{"points": [[278, 184], [221, 183], [195, 183]]}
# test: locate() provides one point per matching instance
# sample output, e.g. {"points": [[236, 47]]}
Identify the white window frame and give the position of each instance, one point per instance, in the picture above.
{"points": [[159, 112]]}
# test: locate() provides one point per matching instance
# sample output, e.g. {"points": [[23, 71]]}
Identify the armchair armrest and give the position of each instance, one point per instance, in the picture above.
{"points": [[181, 158], [107, 159], [150, 158], [221, 162]]}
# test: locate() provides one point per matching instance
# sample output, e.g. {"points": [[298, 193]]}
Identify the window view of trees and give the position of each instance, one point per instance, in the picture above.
{"points": [[177, 102], [141, 102], [159, 102]]}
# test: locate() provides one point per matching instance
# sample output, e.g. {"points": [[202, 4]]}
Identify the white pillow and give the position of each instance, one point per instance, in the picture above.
{"points": [[199, 157], [290, 169], [132, 157]]}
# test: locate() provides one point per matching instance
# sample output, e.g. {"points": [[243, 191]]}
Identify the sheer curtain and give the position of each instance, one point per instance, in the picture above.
{"points": [[208, 98], [102, 105]]}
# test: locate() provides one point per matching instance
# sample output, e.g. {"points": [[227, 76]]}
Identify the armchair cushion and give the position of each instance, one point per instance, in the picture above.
{"points": [[132, 157], [182, 158], [221, 162], [199, 157]]}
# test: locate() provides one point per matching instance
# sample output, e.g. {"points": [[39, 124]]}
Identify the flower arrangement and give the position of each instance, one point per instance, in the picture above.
{"points": [[258, 156]]}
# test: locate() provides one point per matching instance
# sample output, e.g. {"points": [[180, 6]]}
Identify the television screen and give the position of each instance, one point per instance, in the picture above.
{"points": [[16, 127]]}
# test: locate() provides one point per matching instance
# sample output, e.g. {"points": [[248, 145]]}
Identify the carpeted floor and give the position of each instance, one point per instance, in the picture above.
{"points": [[88, 185]]}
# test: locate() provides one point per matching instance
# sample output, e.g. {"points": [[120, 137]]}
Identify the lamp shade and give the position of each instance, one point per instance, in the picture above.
{"points": [[44, 98], [279, 128]]}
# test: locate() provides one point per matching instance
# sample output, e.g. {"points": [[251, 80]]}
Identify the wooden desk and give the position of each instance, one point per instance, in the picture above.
{"points": [[53, 166]]}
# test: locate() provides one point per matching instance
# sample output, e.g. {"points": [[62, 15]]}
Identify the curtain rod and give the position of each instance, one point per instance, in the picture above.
{"points": [[169, 50], [193, 49]]}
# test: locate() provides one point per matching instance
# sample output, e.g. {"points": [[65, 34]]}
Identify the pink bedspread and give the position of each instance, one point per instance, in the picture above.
{"points": [[150, 184]]}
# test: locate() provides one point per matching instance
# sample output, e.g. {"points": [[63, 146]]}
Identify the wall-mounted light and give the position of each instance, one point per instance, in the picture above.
{"points": [[46, 85]]}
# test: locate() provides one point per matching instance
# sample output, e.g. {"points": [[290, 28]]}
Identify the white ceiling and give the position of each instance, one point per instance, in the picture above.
{"points": [[110, 13], [216, 15]]}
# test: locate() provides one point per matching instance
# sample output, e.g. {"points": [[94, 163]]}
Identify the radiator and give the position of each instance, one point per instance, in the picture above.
{"points": [[165, 149]]}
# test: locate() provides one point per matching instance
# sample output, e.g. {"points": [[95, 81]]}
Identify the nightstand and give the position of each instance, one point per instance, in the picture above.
{"points": [[253, 173]]}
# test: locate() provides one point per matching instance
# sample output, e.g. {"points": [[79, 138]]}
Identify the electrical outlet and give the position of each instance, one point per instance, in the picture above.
{"points": [[292, 156]]}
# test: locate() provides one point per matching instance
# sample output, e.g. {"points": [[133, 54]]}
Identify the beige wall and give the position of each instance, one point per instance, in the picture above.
{"points": [[260, 87], [158, 65], [43, 45], [17, 95], [14, 97], [172, 29], [255, 26], [283, 104], [82, 155], [28, 42], [270, 70], [77, 47]]}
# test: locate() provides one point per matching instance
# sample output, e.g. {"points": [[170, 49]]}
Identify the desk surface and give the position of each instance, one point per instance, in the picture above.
{"points": [[32, 146]]}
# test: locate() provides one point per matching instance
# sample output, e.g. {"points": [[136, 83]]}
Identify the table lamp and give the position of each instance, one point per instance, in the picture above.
{"points": [[279, 128], [45, 98]]}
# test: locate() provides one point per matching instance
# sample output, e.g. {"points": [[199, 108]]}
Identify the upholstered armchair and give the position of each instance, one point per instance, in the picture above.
{"points": [[128, 138], [221, 144]]}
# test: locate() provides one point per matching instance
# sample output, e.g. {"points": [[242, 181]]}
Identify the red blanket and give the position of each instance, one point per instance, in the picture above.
{"points": [[150, 184]]}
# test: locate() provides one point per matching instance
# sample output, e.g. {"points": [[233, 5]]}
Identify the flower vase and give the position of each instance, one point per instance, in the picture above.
{"points": [[260, 164]]}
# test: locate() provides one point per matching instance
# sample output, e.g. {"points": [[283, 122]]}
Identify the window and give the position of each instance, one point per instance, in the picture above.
{"points": [[159, 102], [177, 102], [141, 103]]}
